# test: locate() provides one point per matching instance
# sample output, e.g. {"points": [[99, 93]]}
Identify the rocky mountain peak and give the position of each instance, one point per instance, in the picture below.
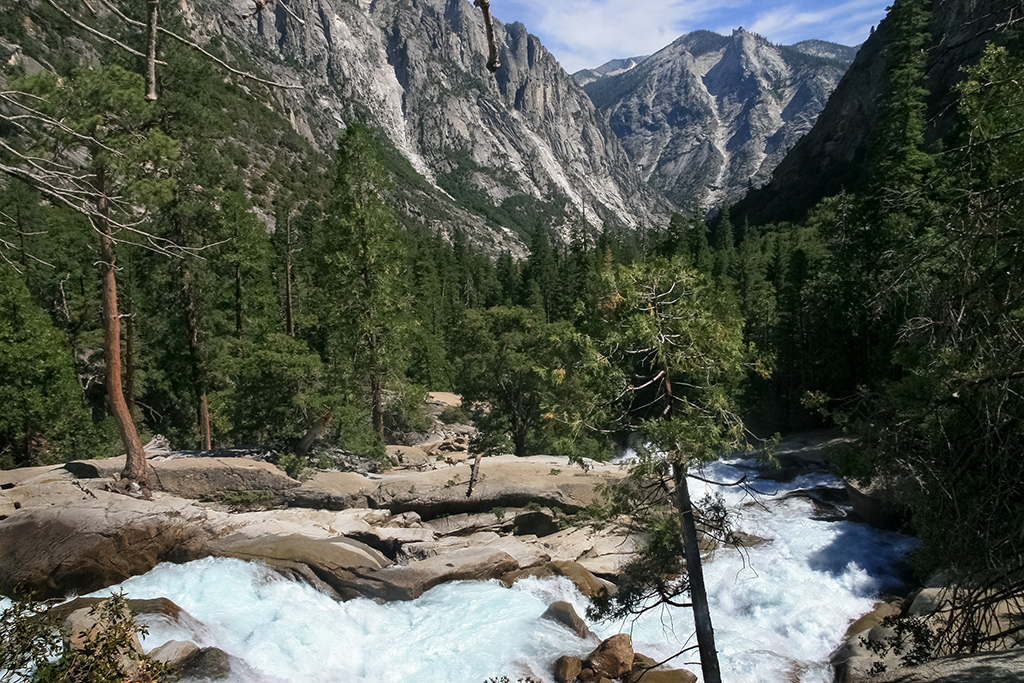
{"points": [[710, 116]]}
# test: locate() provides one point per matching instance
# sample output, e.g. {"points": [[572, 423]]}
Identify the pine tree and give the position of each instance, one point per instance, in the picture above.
{"points": [[364, 277]]}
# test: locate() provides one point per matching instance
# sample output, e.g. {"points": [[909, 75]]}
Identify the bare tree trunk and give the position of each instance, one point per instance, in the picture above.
{"points": [[129, 353], [135, 467], [695, 573], [151, 57], [474, 474], [204, 420]]}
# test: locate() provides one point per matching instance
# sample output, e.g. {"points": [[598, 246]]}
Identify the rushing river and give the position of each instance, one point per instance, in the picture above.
{"points": [[779, 609]]}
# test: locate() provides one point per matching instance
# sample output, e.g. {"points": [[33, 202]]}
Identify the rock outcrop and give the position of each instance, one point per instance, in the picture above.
{"points": [[62, 533]]}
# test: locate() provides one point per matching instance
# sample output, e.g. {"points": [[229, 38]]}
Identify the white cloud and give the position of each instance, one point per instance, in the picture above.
{"points": [[588, 33], [847, 23]]}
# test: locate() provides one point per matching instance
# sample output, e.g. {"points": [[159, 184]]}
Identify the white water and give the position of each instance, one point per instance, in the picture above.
{"points": [[779, 610]]}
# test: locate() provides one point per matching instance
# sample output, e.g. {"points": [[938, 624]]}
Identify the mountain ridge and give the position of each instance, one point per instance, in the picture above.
{"points": [[709, 116]]}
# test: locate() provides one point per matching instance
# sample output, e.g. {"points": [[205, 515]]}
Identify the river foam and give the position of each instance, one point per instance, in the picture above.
{"points": [[779, 609]]}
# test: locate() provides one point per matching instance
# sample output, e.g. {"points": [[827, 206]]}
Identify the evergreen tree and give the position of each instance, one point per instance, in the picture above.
{"points": [[364, 278], [43, 419]]}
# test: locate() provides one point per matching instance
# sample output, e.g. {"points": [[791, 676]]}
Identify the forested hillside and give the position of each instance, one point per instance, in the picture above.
{"points": [[894, 309]]}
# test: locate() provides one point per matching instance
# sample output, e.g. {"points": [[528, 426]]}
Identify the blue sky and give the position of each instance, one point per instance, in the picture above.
{"points": [[588, 33]]}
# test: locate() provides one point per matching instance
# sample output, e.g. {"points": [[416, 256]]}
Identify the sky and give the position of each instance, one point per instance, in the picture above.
{"points": [[587, 33]]}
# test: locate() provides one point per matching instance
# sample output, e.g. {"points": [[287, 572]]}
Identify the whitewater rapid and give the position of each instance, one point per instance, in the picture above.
{"points": [[779, 609]]}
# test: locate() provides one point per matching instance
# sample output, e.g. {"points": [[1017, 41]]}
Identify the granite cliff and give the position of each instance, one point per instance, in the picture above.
{"points": [[710, 116]]}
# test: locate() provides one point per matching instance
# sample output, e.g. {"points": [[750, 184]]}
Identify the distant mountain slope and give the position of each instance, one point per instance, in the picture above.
{"points": [[830, 158], [827, 50], [710, 116], [498, 153], [612, 68], [525, 136]]}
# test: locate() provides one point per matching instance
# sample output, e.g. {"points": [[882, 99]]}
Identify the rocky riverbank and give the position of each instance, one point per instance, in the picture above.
{"points": [[389, 536]]}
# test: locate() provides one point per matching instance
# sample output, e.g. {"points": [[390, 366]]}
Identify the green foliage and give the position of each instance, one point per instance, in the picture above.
{"points": [[275, 389], [363, 278], [31, 637], [247, 499], [454, 415], [542, 383], [292, 465], [43, 418], [912, 640], [682, 348]]}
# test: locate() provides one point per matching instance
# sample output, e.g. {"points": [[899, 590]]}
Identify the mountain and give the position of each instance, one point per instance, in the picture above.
{"points": [[710, 116], [524, 144], [827, 50], [497, 154], [612, 68], [831, 157]]}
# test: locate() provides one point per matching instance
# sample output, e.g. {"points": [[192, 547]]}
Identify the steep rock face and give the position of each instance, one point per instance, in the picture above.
{"points": [[830, 157], [709, 116], [416, 69]]}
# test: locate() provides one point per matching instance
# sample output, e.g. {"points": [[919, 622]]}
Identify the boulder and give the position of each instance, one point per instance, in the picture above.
{"points": [[613, 658], [874, 617], [212, 664], [198, 478], [85, 623], [567, 668], [643, 670], [587, 583], [414, 579], [409, 457], [332, 491], [84, 627], [878, 503], [174, 653], [327, 564], [662, 676], [505, 481], [66, 539], [565, 614]]}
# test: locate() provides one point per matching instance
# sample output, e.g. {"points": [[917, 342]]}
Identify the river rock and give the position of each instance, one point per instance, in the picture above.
{"points": [[661, 676], [64, 538], [587, 583], [613, 658], [567, 668], [174, 653], [878, 503], [412, 580], [198, 478], [83, 624], [213, 664], [330, 490], [327, 563], [565, 614]]}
